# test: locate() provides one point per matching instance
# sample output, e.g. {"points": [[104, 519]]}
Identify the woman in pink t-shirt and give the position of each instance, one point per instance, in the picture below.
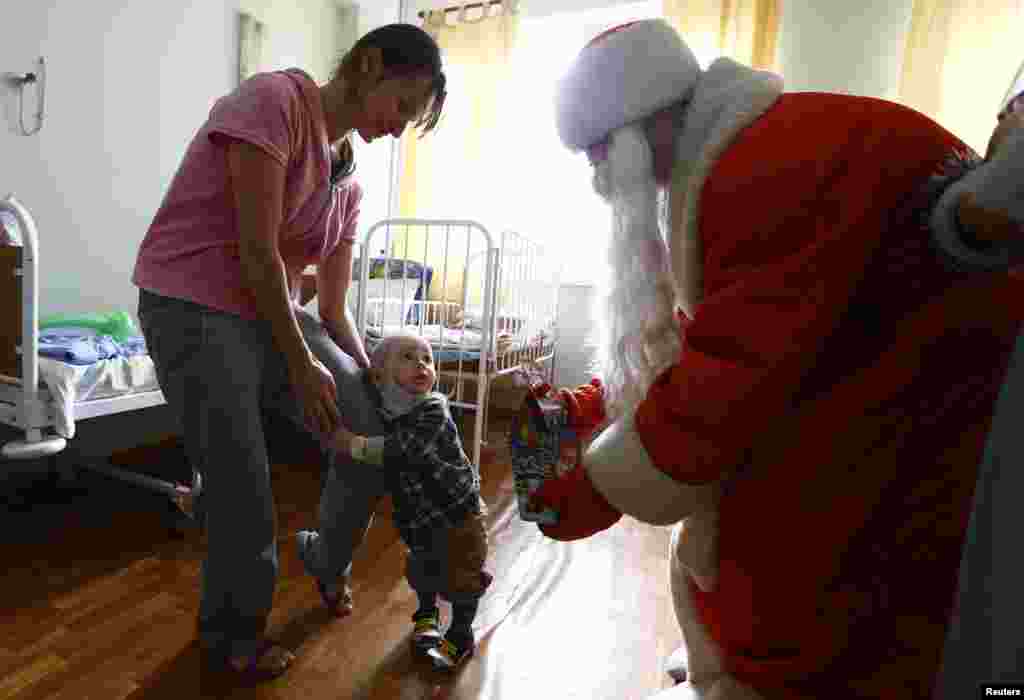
{"points": [[264, 190]]}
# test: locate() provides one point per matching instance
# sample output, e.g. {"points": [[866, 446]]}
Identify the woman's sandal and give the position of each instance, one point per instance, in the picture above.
{"points": [[338, 603], [270, 661]]}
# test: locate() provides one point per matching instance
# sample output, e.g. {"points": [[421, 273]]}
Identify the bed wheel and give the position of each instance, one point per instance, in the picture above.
{"points": [[67, 474], [32, 449]]}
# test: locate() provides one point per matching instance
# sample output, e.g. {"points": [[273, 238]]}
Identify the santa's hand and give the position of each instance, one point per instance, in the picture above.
{"points": [[582, 511]]}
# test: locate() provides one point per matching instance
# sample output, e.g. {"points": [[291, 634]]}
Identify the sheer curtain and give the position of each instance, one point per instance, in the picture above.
{"points": [[450, 172], [495, 156], [547, 191], [744, 30], [447, 172], [960, 58]]}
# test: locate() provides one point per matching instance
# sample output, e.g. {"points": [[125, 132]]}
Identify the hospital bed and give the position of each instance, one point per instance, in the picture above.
{"points": [[43, 398]]}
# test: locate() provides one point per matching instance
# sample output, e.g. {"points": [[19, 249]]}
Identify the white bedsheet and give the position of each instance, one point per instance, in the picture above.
{"points": [[71, 384]]}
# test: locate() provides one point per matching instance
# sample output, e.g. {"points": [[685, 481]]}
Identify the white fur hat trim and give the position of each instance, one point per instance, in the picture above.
{"points": [[623, 75]]}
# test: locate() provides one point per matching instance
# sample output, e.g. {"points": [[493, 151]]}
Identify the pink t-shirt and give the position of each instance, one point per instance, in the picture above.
{"points": [[191, 250]]}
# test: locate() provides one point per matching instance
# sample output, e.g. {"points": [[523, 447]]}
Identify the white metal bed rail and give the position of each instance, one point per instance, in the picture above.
{"points": [[34, 414], [526, 302]]}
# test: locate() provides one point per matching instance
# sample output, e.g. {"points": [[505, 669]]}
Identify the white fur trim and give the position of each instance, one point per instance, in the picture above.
{"points": [[622, 472], [697, 548], [728, 98], [624, 76], [706, 677]]}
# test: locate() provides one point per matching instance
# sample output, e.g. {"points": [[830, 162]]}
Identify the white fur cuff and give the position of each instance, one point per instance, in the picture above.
{"points": [[621, 470]]}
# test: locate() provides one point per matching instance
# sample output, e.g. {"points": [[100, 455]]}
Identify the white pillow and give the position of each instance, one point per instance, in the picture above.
{"points": [[400, 297]]}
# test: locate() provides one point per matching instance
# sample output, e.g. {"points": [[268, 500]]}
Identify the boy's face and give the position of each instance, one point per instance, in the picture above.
{"points": [[412, 366]]}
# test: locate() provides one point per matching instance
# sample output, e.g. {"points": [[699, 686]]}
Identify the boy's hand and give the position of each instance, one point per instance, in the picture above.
{"points": [[341, 440], [991, 200], [979, 219], [988, 226]]}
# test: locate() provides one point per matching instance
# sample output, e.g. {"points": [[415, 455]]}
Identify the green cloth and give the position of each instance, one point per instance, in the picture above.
{"points": [[117, 324]]}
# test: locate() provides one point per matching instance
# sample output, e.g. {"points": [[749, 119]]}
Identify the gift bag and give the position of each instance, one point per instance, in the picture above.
{"points": [[544, 445]]}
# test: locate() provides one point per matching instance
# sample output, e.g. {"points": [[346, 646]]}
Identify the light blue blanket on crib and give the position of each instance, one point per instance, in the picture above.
{"points": [[83, 346]]}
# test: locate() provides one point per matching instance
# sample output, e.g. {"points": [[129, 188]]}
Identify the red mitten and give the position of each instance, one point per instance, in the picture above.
{"points": [[585, 406], [582, 510], [539, 391]]}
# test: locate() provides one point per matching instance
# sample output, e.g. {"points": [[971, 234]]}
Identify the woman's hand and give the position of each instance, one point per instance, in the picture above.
{"points": [[317, 395], [341, 440]]}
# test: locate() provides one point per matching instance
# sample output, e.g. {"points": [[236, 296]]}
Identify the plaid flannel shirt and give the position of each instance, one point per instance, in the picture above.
{"points": [[435, 485]]}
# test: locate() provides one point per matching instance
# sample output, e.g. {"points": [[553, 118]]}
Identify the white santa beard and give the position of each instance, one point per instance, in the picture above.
{"points": [[638, 329]]}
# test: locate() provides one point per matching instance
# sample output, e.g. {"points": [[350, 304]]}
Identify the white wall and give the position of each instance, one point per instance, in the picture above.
{"points": [[841, 46], [128, 84], [307, 34]]}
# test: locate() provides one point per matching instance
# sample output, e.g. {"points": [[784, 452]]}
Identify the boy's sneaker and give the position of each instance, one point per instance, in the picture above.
{"points": [[426, 633], [447, 656]]}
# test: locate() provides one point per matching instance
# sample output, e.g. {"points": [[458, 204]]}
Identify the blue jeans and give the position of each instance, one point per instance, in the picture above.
{"points": [[223, 376]]}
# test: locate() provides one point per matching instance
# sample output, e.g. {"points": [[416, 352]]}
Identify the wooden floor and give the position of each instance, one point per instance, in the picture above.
{"points": [[99, 602]]}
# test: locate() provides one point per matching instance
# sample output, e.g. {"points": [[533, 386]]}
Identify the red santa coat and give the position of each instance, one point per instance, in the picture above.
{"points": [[839, 378]]}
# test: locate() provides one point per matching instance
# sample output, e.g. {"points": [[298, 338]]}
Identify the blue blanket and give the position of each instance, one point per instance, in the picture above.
{"points": [[83, 346]]}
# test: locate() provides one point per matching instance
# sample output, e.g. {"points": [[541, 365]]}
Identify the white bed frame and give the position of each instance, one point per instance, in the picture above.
{"points": [[512, 282], [28, 407]]}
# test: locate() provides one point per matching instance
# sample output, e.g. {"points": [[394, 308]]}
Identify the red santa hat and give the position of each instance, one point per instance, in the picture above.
{"points": [[621, 76]]}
